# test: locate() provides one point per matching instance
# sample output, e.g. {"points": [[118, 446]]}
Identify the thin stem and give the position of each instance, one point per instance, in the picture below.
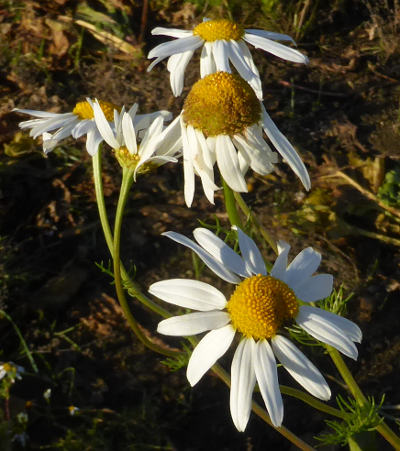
{"points": [[355, 390], [127, 179], [132, 286], [246, 210], [230, 206]]}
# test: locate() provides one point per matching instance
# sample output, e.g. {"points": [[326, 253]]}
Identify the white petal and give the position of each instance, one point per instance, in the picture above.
{"points": [[348, 327], [261, 159], [220, 53], [270, 35], [155, 62], [210, 348], [285, 149], [129, 134], [267, 378], [280, 50], [189, 293], [300, 368], [220, 251], [178, 46], [326, 331], [280, 265], [243, 379], [44, 114], [188, 170], [228, 163], [207, 64], [193, 323], [104, 127], [314, 288], [219, 269], [93, 141], [302, 267], [250, 253], [177, 67], [173, 32]]}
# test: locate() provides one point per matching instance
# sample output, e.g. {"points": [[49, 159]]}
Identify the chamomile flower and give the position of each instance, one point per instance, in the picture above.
{"points": [[256, 311], [78, 123], [223, 41], [223, 122], [11, 371], [159, 144]]}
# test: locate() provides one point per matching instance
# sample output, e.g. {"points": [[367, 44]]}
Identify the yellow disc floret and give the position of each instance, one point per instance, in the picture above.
{"points": [[221, 104], [260, 305], [85, 111], [212, 30]]}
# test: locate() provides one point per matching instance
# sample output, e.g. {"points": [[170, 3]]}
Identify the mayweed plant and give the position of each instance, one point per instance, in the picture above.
{"points": [[223, 131]]}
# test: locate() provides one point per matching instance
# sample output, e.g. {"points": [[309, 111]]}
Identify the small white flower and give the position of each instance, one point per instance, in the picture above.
{"points": [[223, 41], [47, 394], [223, 122], [159, 144], [78, 123], [11, 370], [256, 311]]}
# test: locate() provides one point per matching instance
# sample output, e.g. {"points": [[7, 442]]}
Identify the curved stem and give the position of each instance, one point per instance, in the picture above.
{"points": [[132, 286], [264, 233], [355, 390], [127, 180], [230, 206]]}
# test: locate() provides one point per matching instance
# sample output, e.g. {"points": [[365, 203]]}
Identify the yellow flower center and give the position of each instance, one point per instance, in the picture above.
{"points": [[84, 110], [260, 305], [221, 104], [212, 30], [7, 367], [130, 161]]}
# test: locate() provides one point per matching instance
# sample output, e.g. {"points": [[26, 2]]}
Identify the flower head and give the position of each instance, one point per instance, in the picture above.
{"points": [[256, 311], [11, 371], [222, 122], [158, 144], [223, 41], [78, 123]]}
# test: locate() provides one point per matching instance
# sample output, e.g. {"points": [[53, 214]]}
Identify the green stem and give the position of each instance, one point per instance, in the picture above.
{"points": [[264, 233], [127, 180], [230, 206], [132, 286], [355, 390]]}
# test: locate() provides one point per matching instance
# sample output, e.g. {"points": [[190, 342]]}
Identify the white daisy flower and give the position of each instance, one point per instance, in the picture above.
{"points": [[223, 122], [78, 123], [223, 41], [260, 305], [11, 370], [158, 145]]}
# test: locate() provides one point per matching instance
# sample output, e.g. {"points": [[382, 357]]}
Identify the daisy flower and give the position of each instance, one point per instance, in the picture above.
{"points": [[159, 144], [78, 123], [222, 122], [223, 41], [256, 312], [11, 371]]}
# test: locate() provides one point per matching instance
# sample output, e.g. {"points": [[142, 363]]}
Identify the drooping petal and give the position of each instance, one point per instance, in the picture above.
{"points": [[270, 35], [326, 331], [220, 251], [172, 32], [280, 50], [267, 378], [210, 348], [314, 288], [243, 379], [207, 64], [228, 163], [93, 141], [300, 367], [104, 127], [188, 170], [284, 147], [220, 53], [250, 253], [193, 323], [189, 293], [177, 65], [347, 327], [219, 269], [179, 46]]}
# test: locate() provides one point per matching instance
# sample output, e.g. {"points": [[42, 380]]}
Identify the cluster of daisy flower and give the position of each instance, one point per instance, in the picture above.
{"points": [[225, 124]]}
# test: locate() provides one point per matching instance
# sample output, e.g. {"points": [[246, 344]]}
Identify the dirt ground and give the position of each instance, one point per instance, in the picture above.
{"points": [[342, 112]]}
